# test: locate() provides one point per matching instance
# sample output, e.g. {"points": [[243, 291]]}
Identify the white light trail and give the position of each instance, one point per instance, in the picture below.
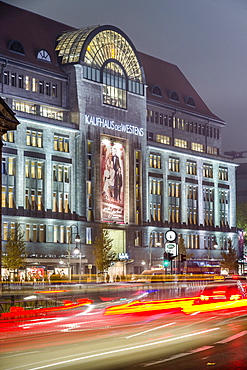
{"points": [[118, 350], [146, 331]]}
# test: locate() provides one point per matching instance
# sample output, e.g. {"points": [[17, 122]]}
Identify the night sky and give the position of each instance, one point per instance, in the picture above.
{"points": [[206, 39]]}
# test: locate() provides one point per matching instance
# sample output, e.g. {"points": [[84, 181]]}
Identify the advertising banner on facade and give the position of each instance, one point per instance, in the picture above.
{"points": [[112, 180]]}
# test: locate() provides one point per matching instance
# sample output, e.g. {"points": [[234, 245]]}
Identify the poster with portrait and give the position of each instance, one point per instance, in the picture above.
{"points": [[112, 180]]}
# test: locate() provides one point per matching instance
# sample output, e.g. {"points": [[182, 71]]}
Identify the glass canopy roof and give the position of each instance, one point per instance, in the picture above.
{"points": [[94, 49]]}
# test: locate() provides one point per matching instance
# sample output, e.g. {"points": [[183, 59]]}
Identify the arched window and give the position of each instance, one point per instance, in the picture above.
{"points": [[190, 101], [173, 96], [114, 85], [16, 47], [156, 91]]}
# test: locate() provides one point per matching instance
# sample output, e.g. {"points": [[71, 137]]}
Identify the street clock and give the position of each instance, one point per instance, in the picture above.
{"points": [[171, 235]]}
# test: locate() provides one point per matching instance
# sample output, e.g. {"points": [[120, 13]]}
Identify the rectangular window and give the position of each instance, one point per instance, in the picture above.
{"points": [[207, 170], [54, 202], [20, 81], [39, 200], [174, 164], [41, 87], [34, 233], [191, 168], [48, 88], [11, 197], [27, 232], [4, 199], [27, 83], [33, 199], [89, 235], [60, 202], [13, 79], [34, 85], [41, 233], [27, 205], [66, 203], [5, 230], [6, 77], [55, 235]]}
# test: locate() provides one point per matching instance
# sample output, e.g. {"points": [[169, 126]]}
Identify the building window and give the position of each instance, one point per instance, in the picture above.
{"points": [[41, 87], [9, 137], [223, 173], [34, 138], [5, 231], [34, 85], [33, 169], [48, 88], [21, 81], [13, 79], [137, 238], [89, 233], [156, 239], [114, 86], [193, 241], [208, 203], [28, 238], [4, 197], [163, 139], [180, 143], [191, 168], [16, 47], [6, 77], [212, 150], [174, 164], [192, 204], [61, 143], [155, 161], [174, 190], [208, 170], [41, 233], [197, 147], [61, 173], [224, 206], [11, 197]]}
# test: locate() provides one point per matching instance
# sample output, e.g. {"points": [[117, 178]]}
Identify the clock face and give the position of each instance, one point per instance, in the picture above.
{"points": [[171, 235]]}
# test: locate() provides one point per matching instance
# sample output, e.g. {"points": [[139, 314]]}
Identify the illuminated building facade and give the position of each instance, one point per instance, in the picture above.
{"points": [[109, 135]]}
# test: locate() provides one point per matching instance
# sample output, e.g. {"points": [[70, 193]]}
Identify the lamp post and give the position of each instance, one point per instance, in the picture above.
{"points": [[76, 250]]}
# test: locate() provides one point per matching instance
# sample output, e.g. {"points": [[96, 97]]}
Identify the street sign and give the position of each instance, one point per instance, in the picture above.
{"points": [[172, 248]]}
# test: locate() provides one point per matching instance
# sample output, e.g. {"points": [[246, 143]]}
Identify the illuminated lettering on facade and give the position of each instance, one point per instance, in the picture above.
{"points": [[111, 125]]}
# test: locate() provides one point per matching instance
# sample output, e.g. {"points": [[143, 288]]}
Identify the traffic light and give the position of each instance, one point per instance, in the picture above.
{"points": [[183, 257], [167, 258]]}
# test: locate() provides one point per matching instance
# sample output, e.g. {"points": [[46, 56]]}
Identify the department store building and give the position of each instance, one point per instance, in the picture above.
{"points": [[111, 135]]}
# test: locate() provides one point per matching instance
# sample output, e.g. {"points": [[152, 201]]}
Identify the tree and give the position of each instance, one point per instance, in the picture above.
{"points": [[15, 250], [103, 253], [242, 216], [229, 258]]}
